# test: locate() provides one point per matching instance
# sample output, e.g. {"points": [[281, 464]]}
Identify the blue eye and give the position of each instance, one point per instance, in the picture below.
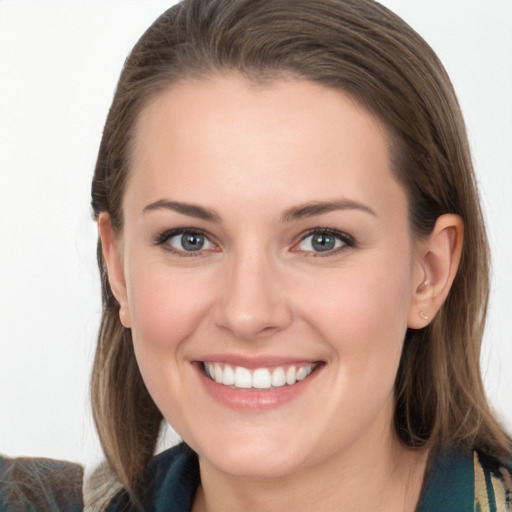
{"points": [[324, 241], [182, 241]]}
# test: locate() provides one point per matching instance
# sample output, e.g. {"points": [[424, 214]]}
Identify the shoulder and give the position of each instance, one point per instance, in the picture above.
{"points": [[28, 484], [171, 481], [461, 481], [493, 482], [177, 464]]}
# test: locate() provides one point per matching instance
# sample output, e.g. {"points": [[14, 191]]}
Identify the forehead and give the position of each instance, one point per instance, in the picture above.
{"points": [[292, 138]]}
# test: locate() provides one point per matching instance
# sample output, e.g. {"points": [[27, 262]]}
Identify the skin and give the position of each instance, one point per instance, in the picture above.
{"points": [[250, 154]]}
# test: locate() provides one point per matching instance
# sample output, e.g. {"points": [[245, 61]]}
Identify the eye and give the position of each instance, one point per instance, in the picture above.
{"points": [[186, 241], [324, 241]]}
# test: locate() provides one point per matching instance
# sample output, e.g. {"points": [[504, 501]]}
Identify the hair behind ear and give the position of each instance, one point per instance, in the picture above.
{"points": [[440, 397], [126, 418]]}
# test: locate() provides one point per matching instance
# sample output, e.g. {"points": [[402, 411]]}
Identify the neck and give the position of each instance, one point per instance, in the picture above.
{"points": [[385, 477]]}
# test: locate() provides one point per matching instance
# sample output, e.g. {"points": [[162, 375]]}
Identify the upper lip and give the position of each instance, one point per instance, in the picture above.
{"points": [[253, 362]]}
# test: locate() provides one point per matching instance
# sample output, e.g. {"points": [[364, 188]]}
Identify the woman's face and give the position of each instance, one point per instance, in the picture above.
{"points": [[266, 242]]}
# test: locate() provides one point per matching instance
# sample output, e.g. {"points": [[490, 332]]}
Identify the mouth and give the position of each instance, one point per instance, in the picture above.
{"points": [[263, 378]]}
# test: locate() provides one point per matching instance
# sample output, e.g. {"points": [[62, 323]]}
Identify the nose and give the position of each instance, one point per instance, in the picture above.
{"points": [[253, 303]]}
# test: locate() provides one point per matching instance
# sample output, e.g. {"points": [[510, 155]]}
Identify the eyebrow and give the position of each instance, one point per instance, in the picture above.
{"points": [[191, 210], [292, 214], [322, 207]]}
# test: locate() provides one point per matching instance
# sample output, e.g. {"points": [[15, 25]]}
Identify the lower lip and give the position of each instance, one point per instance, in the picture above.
{"points": [[254, 399]]}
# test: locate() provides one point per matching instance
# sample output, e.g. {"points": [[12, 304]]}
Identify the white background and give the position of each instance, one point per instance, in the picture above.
{"points": [[59, 63]]}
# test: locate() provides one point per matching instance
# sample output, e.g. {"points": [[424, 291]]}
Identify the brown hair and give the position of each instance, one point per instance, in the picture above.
{"points": [[361, 48]]}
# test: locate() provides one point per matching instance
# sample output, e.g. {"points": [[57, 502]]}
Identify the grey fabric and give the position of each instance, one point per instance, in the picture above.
{"points": [[40, 485]]}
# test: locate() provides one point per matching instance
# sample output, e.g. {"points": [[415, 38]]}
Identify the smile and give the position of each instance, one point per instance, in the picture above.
{"points": [[258, 378]]}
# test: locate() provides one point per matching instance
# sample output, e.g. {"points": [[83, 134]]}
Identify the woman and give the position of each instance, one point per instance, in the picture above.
{"points": [[294, 270]]}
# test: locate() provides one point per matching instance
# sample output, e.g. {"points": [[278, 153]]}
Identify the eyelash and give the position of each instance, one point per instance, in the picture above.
{"points": [[165, 236], [347, 241]]}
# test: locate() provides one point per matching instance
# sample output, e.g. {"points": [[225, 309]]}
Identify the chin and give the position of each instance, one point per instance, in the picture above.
{"points": [[254, 465]]}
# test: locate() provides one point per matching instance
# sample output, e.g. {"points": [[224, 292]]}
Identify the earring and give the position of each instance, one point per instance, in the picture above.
{"points": [[423, 285], [423, 315]]}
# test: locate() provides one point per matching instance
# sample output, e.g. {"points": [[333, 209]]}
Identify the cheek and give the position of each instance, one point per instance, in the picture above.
{"points": [[363, 315], [165, 307]]}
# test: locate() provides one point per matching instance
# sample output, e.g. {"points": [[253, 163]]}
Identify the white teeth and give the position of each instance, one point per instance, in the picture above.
{"points": [[260, 378], [290, 376], [243, 378], [208, 368], [217, 373], [229, 376], [302, 373], [278, 377]]}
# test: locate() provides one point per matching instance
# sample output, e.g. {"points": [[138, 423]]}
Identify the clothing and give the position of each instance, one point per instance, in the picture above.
{"points": [[455, 482], [40, 485], [466, 481]]}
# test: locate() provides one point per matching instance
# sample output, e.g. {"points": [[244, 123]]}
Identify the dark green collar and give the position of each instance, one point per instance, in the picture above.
{"points": [[449, 483]]}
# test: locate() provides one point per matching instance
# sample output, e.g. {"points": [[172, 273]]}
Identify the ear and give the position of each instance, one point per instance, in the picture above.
{"points": [[438, 261], [114, 261]]}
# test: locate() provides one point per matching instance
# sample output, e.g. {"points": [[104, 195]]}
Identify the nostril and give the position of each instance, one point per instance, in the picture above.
{"points": [[247, 331], [251, 303]]}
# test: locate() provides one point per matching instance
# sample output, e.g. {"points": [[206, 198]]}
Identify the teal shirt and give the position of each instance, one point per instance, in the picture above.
{"points": [[455, 482], [466, 481]]}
